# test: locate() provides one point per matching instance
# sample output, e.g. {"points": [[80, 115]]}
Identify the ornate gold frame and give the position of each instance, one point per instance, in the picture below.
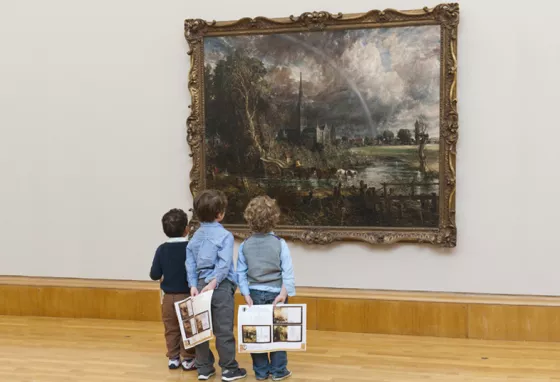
{"points": [[445, 15]]}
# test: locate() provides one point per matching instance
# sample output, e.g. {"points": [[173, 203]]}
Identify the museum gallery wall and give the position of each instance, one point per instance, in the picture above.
{"points": [[348, 121]]}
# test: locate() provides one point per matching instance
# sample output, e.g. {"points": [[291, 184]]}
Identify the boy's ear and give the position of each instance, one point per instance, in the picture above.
{"points": [[187, 230]]}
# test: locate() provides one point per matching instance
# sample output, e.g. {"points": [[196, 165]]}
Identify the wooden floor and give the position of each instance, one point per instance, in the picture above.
{"points": [[34, 349]]}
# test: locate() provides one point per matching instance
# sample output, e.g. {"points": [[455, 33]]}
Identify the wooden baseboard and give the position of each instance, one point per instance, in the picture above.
{"points": [[29, 296], [525, 318]]}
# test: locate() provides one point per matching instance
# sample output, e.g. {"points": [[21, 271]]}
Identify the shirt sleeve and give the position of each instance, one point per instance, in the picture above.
{"points": [[288, 278], [156, 272], [242, 272], [225, 259], [190, 264]]}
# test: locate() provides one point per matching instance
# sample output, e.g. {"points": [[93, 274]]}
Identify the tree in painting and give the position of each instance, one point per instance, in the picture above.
{"points": [[340, 127]]}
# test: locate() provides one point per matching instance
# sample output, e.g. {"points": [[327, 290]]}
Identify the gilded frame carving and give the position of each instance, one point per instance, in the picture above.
{"points": [[445, 15]]}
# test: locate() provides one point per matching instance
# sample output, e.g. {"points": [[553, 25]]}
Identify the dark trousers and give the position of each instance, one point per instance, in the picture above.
{"points": [[173, 339], [222, 323], [277, 363]]}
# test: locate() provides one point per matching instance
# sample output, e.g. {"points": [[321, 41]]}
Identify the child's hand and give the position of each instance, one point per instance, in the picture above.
{"points": [[281, 298], [211, 286], [249, 301], [194, 292]]}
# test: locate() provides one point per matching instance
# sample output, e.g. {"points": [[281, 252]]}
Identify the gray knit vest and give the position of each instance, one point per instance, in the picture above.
{"points": [[262, 254]]}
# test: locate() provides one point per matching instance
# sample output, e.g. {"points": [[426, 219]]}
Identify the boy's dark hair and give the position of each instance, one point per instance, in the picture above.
{"points": [[174, 223], [209, 204]]}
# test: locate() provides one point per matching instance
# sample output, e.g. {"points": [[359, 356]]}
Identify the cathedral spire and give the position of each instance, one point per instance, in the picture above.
{"points": [[302, 121], [300, 85]]}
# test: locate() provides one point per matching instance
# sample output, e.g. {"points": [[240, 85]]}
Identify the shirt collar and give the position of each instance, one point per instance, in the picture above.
{"points": [[176, 240], [210, 224]]}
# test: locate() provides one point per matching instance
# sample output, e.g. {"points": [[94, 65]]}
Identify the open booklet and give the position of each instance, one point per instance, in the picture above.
{"points": [[195, 316], [264, 328]]}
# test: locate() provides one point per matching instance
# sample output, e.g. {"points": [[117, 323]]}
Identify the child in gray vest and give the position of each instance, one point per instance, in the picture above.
{"points": [[265, 276]]}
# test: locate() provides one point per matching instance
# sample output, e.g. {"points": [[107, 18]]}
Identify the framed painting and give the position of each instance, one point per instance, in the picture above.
{"points": [[348, 121]]}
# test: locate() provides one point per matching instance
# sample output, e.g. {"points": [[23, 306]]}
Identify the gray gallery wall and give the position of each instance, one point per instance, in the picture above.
{"points": [[93, 101]]}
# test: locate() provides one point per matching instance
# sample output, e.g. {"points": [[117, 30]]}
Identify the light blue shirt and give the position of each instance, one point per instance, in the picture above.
{"points": [[210, 255], [288, 278]]}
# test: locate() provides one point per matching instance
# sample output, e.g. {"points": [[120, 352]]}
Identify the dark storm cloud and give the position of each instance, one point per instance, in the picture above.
{"points": [[364, 80]]}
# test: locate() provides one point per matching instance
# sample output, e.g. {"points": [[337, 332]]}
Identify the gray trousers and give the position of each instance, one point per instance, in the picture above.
{"points": [[222, 322]]}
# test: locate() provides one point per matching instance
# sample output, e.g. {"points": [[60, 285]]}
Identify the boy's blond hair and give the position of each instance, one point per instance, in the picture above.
{"points": [[262, 214]]}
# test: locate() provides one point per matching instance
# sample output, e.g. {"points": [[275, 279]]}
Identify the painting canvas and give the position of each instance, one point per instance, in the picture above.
{"points": [[344, 120]]}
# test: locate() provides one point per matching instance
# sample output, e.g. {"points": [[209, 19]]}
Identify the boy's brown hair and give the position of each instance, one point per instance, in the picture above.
{"points": [[262, 214], [209, 204]]}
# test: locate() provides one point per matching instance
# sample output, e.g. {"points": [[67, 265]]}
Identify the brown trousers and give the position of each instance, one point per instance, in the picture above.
{"points": [[173, 340]]}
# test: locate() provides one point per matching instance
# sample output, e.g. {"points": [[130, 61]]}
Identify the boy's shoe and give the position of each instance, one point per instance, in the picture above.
{"points": [[287, 374], [263, 378], [188, 365], [207, 376], [233, 375], [174, 364]]}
